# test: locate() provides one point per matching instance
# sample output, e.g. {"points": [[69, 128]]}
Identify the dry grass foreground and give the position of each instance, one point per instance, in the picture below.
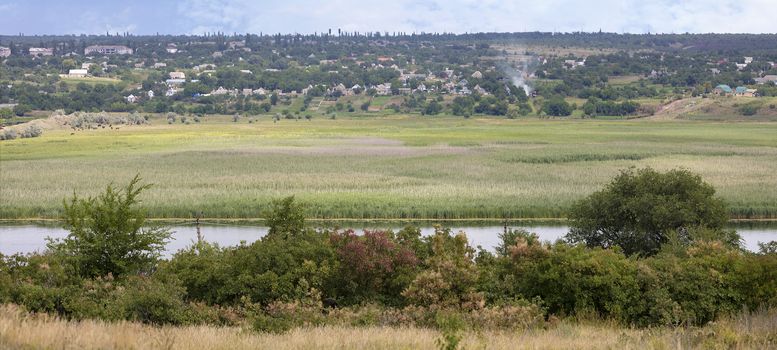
{"points": [[20, 330]]}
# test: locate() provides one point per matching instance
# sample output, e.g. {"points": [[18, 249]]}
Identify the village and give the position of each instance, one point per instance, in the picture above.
{"points": [[239, 73]]}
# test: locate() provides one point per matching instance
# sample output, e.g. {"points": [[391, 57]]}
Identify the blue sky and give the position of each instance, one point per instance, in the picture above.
{"points": [[459, 16]]}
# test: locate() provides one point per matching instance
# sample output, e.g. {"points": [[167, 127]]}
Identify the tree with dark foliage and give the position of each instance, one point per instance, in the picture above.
{"points": [[640, 210]]}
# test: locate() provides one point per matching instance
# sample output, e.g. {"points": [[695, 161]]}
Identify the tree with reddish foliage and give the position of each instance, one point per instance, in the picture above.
{"points": [[373, 266]]}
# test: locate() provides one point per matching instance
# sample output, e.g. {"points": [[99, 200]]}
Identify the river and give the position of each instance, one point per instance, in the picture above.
{"points": [[30, 238]]}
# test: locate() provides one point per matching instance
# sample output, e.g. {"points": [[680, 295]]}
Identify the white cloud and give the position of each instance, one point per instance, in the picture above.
{"points": [[97, 22], [636, 16]]}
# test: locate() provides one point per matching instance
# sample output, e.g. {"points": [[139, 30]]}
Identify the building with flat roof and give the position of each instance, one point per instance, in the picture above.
{"points": [[177, 75], [41, 51], [107, 50], [77, 73]]}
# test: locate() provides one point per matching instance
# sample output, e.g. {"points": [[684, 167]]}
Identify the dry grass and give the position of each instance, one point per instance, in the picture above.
{"points": [[19, 330]]}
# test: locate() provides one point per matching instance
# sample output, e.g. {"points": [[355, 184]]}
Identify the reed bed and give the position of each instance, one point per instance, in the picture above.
{"points": [[393, 167]]}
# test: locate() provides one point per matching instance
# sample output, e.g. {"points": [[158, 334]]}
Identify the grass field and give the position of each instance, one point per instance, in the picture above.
{"points": [[90, 80], [384, 167], [19, 330]]}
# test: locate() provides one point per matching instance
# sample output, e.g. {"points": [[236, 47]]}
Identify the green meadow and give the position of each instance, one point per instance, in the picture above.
{"points": [[383, 167]]}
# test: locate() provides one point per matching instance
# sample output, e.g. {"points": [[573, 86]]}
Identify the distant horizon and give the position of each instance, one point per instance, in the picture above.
{"points": [[346, 34], [196, 17]]}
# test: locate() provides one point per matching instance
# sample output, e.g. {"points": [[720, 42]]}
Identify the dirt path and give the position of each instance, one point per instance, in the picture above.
{"points": [[675, 109]]}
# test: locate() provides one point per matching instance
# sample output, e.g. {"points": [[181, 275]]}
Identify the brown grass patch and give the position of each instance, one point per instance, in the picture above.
{"points": [[19, 330]]}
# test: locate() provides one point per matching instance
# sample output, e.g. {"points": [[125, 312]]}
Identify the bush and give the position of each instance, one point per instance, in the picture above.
{"points": [[279, 317], [201, 270], [153, 301], [285, 218], [450, 279], [691, 286], [749, 109], [9, 134], [108, 234], [22, 109], [373, 267], [32, 131], [578, 281]]}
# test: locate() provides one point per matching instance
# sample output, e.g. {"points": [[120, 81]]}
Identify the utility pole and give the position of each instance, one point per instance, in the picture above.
{"points": [[197, 223]]}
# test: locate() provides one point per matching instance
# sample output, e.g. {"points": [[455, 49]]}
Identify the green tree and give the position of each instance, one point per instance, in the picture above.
{"points": [[108, 233], [557, 108], [22, 109], [639, 210], [433, 108], [6, 113], [285, 218], [95, 70]]}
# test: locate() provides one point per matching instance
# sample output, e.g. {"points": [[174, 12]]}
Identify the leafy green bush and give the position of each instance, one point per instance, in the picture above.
{"points": [[691, 287], [285, 218], [108, 234], [451, 276], [574, 280], [150, 300], [749, 109]]}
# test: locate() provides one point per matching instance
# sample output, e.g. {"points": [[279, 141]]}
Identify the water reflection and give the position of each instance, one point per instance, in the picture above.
{"points": [[30, 238]]}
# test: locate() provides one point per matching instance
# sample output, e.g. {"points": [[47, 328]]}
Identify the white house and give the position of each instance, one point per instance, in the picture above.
{"points": [[341, 88], [77, 73], [171, 82], [220, 91], [477, 75], [150, 94], [131, 98], [5, 52], [177, 75], [41, 51], [107, 50], [383, 89], [766, 79]]}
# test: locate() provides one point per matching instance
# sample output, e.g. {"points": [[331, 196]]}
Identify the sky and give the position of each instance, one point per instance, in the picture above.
{"points": [[140, 17]]}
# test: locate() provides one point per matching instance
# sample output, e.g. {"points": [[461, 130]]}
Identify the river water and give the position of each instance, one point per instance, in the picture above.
{"points": [[30, 238]]}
